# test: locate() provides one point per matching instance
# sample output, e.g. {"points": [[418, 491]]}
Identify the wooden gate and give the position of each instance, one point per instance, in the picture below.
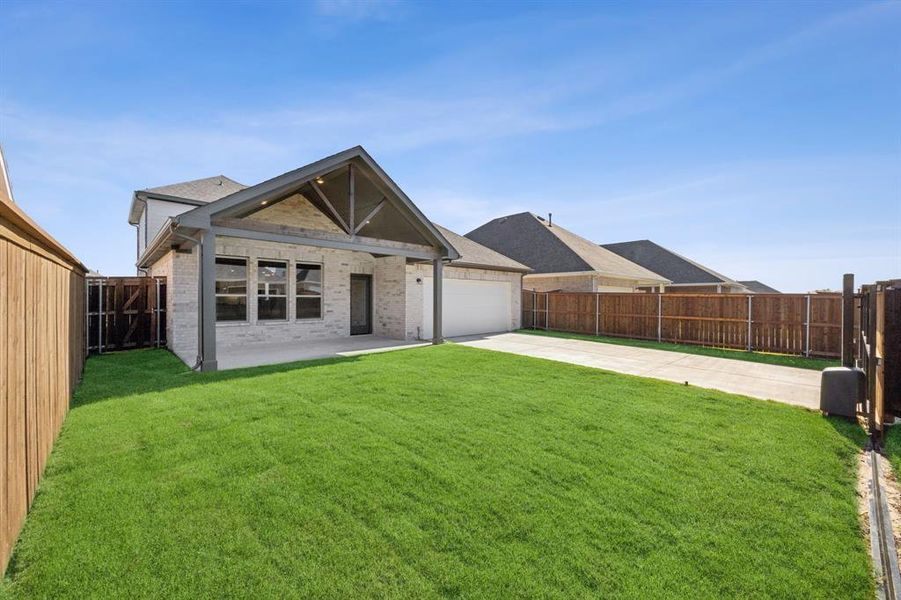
{"points": [[124, 313]]}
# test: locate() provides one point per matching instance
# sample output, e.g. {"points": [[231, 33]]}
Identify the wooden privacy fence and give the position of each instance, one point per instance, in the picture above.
{"points": [[803, 324], [42, 351], [878, 349], [125, 313]]}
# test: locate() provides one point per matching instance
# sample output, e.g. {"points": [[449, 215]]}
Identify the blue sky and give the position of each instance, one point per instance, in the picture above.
{"points": [[761, 139]]}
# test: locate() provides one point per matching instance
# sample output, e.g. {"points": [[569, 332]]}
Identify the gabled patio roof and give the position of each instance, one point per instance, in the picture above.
{"points": [[352, 190]]}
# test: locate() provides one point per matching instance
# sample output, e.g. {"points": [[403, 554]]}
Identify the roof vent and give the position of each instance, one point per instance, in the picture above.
{"points": [[550, 222]]}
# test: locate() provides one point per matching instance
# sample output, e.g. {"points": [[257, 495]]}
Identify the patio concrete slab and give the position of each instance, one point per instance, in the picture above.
{"points": [[254, 355], [800, 387]]}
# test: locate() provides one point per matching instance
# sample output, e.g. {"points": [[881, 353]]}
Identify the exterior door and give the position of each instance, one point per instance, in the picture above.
{"points": [[360, 304]]}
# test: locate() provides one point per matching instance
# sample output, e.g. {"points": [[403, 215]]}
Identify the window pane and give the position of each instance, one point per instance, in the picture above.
{"points": [[272, 309], [309, 279], [309, 308], [231, 308], [309, 273], [272, 289], [309, 289], [272, 272], [231, 278]]}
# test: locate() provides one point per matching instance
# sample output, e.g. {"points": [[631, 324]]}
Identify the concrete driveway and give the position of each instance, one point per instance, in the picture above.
{"points": [[800, 387]]}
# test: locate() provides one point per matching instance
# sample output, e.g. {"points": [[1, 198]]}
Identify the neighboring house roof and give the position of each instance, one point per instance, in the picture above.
{"points": [[547, 248], [196, 192], [758, 287], [677, 268], [473, 254]]}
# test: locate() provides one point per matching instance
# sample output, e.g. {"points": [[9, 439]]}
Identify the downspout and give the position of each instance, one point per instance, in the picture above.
{"points": [[141, 271]]}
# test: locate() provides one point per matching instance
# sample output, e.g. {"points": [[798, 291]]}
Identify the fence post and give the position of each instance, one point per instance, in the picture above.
{"points": [[848, 320], [659, 316], [87, 315], [100, 316], [597, 307], [749, 323], [807, 330], [547, 309]]}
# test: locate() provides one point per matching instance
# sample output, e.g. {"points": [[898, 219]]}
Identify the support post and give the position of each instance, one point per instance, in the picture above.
{"points": [[206, 337], [750, 346], [597, 313], [437, 281], [807, 329], [848, 320]]}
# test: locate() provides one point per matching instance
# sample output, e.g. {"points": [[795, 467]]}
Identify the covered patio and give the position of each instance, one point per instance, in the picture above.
{"points": [[236, 356]]}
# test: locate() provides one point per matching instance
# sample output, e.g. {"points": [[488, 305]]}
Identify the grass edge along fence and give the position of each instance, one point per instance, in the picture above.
{"points": [[797, 324]]}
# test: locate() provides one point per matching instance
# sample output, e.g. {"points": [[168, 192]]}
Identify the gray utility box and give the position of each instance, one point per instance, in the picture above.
{"points": [[841, 388]]}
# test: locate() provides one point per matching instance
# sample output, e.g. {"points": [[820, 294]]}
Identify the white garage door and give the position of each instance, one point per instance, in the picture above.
{"points": [[469, 307]]}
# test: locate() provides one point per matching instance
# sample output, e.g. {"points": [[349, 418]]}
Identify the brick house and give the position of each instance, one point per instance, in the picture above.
{"points": [[330, 250]]}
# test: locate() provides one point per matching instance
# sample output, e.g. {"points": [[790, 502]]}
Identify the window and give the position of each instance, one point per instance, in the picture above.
{"points": [[272, 290], [309, 291], [231, 289]]}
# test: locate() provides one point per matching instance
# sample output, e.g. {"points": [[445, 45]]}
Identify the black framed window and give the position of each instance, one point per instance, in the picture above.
{"points": [[309, 291], [231, 289], [272, 290]]}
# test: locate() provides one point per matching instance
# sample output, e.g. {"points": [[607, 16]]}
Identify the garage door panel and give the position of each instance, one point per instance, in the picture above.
{"points": [[469, 307]]}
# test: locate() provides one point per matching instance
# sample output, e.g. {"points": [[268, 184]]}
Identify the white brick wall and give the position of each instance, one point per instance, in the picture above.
{"points": [[181, 270], [397, 298], [389, 290]]}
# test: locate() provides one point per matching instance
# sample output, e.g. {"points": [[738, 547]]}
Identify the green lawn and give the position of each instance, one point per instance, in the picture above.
{"points": [[436, 472], [783, 360], [893, 447]]}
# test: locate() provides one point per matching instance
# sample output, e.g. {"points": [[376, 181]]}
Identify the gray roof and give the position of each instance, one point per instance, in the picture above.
{"points": [[476, 255], [531, 240], [195, 192], [203, 190], [758, 287], [666, 262]]}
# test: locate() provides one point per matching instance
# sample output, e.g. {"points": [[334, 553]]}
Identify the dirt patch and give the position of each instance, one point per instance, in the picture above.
{"points": [[890, 487]]}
